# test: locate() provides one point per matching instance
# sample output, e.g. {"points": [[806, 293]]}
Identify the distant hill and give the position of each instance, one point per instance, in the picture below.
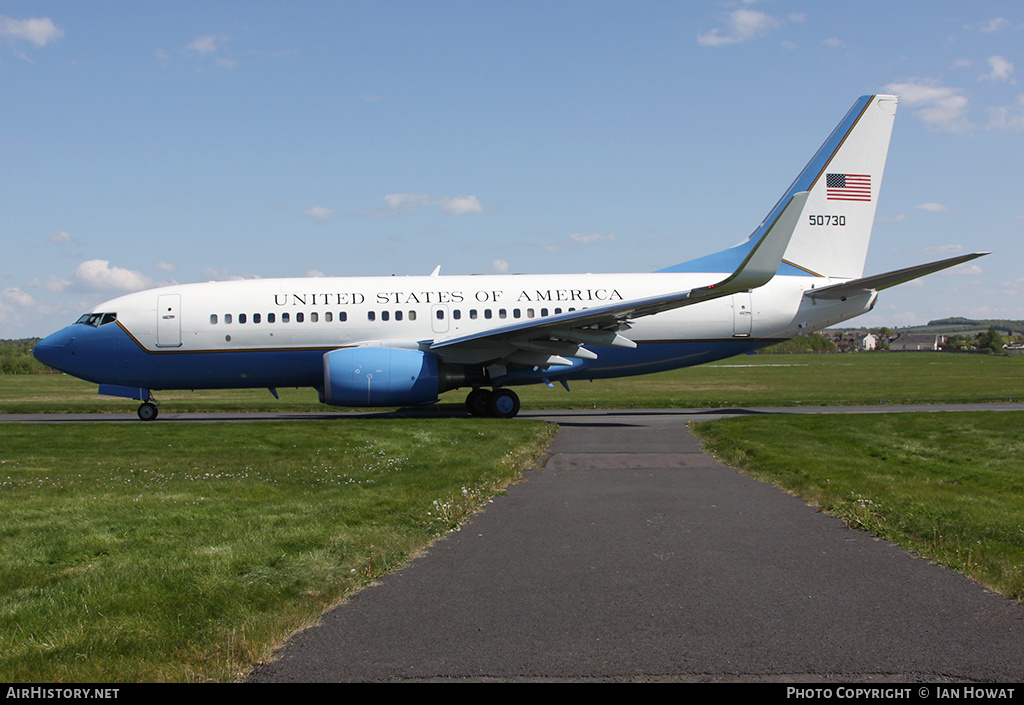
{"points": [[967, 326], [955, 325]]}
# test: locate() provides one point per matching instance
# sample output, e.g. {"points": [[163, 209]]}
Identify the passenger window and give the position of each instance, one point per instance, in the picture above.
{"points": [[516, 313], [384, 315], [398, 315], [314, 317], [440, 314], [371, 316], [255, 318], [227, 318], [472, 313], [412, 315], [241, 318], [502, 313], [487, 313], [271, 317], [213, 319], [457, 314], [328, 317], [299, 317], [285, 317], [342, 316]]}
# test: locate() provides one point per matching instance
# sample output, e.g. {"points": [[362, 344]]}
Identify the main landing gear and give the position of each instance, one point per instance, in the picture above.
{"points": [[148, 411], [500, 403]]}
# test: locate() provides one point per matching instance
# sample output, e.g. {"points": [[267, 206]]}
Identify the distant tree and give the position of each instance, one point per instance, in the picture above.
{"points": [[957, 343], [813, 343], [991, 340], [16, 358]]}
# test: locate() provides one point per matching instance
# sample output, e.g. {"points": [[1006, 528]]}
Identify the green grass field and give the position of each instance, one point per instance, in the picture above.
{"points": [[748, 380], [185, 552]]}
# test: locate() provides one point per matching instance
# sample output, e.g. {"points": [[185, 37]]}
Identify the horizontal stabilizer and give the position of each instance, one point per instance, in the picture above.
{"points": [[889, 279]]}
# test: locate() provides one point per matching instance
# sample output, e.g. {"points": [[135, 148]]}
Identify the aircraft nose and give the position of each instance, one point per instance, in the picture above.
{"points": [[53, 349]]}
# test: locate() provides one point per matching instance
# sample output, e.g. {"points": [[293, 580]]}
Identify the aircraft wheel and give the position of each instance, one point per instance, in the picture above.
{"points": [[147, 411], [504, 403], [478, 402]]}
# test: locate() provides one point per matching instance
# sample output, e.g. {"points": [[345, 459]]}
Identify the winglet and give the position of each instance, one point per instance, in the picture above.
{"points": [[761, 264]]}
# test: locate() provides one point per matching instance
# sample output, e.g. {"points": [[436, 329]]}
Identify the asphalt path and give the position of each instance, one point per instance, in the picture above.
{"points": [[632, 555]]}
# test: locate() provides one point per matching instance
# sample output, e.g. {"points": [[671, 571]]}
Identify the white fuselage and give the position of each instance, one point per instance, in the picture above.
{"points": [[404, 312]]}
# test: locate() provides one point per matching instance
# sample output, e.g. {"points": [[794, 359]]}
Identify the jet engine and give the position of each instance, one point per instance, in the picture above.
{"points": [[376, 376], [380, 377]]}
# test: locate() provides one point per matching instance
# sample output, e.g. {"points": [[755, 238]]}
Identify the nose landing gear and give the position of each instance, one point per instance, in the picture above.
{"points": [[148, 411]]}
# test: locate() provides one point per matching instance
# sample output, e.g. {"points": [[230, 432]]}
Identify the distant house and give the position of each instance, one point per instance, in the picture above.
{"points": [[917, 341], [868, 342]]}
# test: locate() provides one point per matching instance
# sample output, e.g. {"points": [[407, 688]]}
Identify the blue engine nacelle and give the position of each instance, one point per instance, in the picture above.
{"points": [[380, 377]]}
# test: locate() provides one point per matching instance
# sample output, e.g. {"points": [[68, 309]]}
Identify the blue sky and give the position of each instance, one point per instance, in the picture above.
{"points": [[149, 143]]}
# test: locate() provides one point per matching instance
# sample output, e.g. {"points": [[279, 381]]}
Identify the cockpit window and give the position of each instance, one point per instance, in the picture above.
{"points": [[97, 319]]}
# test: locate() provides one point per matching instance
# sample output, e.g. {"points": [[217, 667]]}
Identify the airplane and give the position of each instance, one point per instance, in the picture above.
{"points": [[401, 341]]}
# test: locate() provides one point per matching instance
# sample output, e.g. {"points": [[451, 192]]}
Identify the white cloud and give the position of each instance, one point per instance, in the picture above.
{"points": [[415, 202], [967, 268], [933, 207], [1001, 70], [940, 107], [39, 31], [460, 205], [898, 218], [742, 25], [587, 239], [320, 213], [98, 275], [210, 46], [408, 202], [166, 266], [1008, 117], [211, 274], [14, 303], [942, 250], [581, 239], [61, 237], [14, 296], [499, 266], [995, 25], [207, 44]]}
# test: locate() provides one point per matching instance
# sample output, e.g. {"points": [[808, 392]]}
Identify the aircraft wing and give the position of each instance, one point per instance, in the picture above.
{"points": [[549, 341], [878, 282]]}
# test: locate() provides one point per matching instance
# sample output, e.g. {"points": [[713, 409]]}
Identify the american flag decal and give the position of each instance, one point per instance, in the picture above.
{"points": [[848, 187]]}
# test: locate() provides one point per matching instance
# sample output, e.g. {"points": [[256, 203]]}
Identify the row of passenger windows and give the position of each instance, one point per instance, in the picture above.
{"points": [[329, 316], [300, 317]]}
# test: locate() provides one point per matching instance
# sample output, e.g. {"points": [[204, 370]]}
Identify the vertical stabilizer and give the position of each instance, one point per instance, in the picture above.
{"points": [[843, 180]]}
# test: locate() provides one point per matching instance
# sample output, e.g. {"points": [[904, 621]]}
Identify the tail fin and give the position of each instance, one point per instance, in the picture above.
{"points": [[843, 180]]}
